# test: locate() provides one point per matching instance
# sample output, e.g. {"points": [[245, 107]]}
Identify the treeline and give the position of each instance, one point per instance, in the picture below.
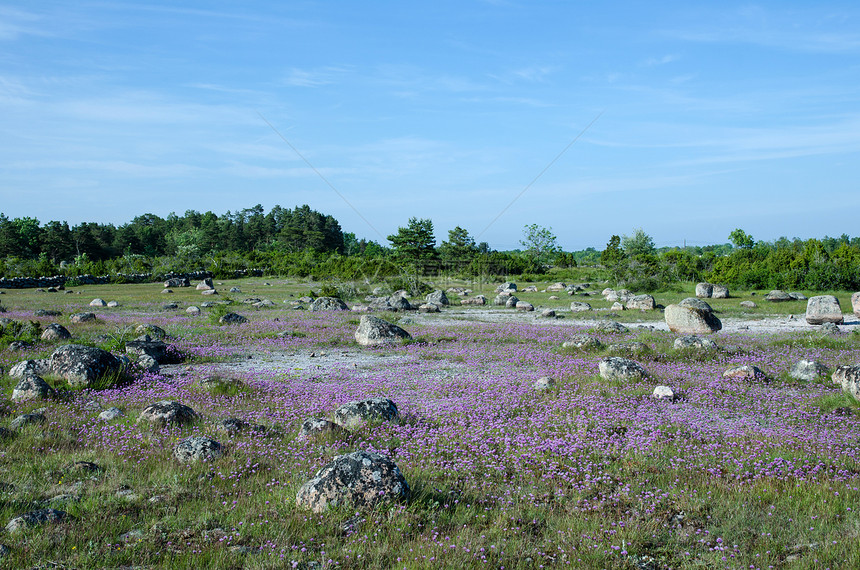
{"points": [[303, 242]]}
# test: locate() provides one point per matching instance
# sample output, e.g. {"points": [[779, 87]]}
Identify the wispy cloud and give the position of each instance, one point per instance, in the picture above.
{"points": [[16, 23], [296, 77], [657, 61]]}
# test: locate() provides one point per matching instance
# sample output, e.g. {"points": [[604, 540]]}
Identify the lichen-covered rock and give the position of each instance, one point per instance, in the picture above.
{"points": [[631, 348], [167, 413], [692, 316], [232, 319], [476, 300], [148, 364], [855, 304], [663, 393], [360, 479], [617, 306], [428, 308], [328, 304], [748, 304], [544, 383], [777, 296], [206, 285], [508, 286], [354, 414], [78, 318], [746, 372], [437, 297], [98, 303], [808, 370], [153, 331], [547, 314], [197, 448], [823, 309], [155, 348], [373, 331], [848, 378], [583, 341], [35, 518], [611, 327], [111, 414], [720, 292], [55, 331], [704, 290], [579, 307], [314, 427], [694, 342], [511, 302], [24, 368], [32, 387], [617, 368], [82, 365], [642, 303], [524, 306]]}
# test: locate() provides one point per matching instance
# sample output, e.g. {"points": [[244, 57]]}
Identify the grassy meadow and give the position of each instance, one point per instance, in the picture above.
{"points": [[589, 474]]}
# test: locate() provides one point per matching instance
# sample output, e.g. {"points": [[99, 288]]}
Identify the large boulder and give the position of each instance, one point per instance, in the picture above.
{"points": [[361, 479], [746, 372], [98, 303], [555, 287], [437, 297], [373, 331], [642, 302], [31, 367], [78, 318], [81, 365], [511, 302], [177, 282], [155, 348], [611, 327], [524, 306], [32, 387], [692, 316], [579, 307], [506, 287], [197, 449], [720, 292], [232, 319], [353, 415], [823, 309], [855, 303], [316, 427], [583, 341], [328, 304], [617, 368], [704, 290], [167, 413], [206, 285], [848, 377], [476, 300]]}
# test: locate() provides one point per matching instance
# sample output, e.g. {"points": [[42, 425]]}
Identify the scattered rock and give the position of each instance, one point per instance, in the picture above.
{"points": [[32, 387], [583, 341], [55, 331], [167, 413], [720, 292], [544, 383], [437, 297], [824, 309], [694, 343], [428, 308], [505, 287], [808, 370], [748, 304], [47, 313], [313, 427], [524, 306], [27, 367], [511, 302], [831, 329], [663, 393], [547, 314], [35, 518], [206, 285], [113, 304], [170, 306], [642, 303], [476, 300], [611, 327], [629, 348], [328, 304], [692, 316], [848, 377], [193, 310], [579, 307], [111, 414], [360, 479], [197, 448], [353, 415], [81, 365], [373, 331], [777, 296], [855, 304], [78, 318], [616, 306], [232, 319], [617, 368], [798, 296], [746, 372], [98, 303], [153, 331], [704, 290]]}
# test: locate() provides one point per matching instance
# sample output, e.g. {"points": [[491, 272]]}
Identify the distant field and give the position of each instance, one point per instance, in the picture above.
{"points": [[591, 473]]}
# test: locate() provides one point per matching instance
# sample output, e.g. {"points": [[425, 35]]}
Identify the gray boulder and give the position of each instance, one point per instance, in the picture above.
{"points": [[314, 427], [795, 296], [642, 303], [232, 319], [32, 387], [373, 331], [524, 306], [505, 287], [98, 303], [428, 308], [694, 343], [55, 331], [153, 331], [746, 372], [704, 290], [808, 370], [547, 314], [617, 368], [748, 304], [111, 414], [855, 304], [437, 297], [543, 384], [824, 309], [78, 318], [35, 518], [27, 420], [511, 302], [155, 348], [197, 449], [777, 296], [353, 415], [720, 292], [611, 327], [692, 316], [583, 341], [25, 368], [629, 348], [177, 282], [848, 378], [360, 479], [206, 285], [663, 393], [476, 300], [167, 413], [579, 307], [82, 365], [328, 304]]}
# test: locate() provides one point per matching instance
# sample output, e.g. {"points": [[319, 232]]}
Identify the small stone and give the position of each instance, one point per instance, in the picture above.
{"points": [[746, 372], [663, 393], [544, 383], [111, 414], [617, 368], [197, 449], [232, 319]]}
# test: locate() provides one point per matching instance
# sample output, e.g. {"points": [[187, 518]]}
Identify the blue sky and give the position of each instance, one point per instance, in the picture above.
{"points": [[710, 115]]}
